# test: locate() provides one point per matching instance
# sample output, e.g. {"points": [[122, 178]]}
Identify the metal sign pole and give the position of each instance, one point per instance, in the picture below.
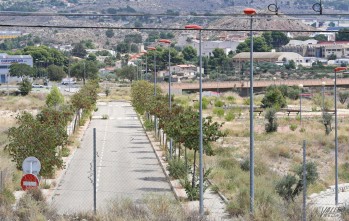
{"points": [[94, 172]]}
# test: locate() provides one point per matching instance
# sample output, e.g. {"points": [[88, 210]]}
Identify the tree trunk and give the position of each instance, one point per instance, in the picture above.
{"points": [[179, 151], [194, 170], [185, 157]]}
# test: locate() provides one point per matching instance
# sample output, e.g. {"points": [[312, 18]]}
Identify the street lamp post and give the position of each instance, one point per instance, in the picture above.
{"points": [[323, 96], [336, 130], [251, 12], [169, 82], [154, 49], [300, 103], [201, 172]]}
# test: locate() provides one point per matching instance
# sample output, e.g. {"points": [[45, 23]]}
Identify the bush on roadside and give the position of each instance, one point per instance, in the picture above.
{"points": [[219, 111], [218, 103], [148, 125], [293, 127], [178, 169], [229, 116]]}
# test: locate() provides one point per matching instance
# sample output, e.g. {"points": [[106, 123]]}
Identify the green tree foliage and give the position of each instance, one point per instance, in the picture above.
{"points": [[21, 70], [55, 73], [109, 33], [133, 38], [79, 50], [259, 45], [275, 39], [290, 65], [273, 98], [25, 86], [91, 57], [127, 72], [86, 97], [320, 37], [291, 186], [343, 35], [332, 57], [189, 53], [141, 93], [39, 137], [270, 116], [84, 69], [331, 24], [54, 98], [44, 56]]}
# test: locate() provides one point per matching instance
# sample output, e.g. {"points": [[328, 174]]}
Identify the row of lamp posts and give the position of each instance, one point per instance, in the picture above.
{"points": [[250, 12]]}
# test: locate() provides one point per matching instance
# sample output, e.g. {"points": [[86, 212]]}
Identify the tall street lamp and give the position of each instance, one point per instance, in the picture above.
{"points": [[169, 82], [323, 96], [251, 12], [300, 103], [336, 129], [154, 49], [201, 172]]}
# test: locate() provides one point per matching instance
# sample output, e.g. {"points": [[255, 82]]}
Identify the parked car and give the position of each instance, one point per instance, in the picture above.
{"points": [[37, 86], [66, 81]]}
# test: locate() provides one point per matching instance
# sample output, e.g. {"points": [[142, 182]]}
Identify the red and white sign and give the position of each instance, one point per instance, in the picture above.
{"points": [[29, 181]]}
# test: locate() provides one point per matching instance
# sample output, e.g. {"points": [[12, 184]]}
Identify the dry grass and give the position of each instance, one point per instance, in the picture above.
{"points": [[116, 93]]}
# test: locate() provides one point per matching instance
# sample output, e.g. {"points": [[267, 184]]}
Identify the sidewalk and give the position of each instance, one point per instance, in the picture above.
{"points": [[214, 206], [324, 201]]}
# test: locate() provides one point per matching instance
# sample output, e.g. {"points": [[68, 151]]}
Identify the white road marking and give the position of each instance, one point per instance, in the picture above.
{"points": [[102, 151]]}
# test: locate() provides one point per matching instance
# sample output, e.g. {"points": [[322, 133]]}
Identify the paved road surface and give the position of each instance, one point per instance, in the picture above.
{"points": [[126, 164]]}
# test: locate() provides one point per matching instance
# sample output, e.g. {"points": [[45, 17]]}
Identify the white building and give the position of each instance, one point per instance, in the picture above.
{"points": [[6, 61]]}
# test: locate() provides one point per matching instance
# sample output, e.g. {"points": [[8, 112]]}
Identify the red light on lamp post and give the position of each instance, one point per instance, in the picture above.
{"points": [[250, 11], [340, 69]]}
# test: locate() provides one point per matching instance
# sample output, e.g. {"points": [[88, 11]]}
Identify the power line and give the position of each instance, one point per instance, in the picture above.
{"points": [[158, 28], [199, 15]]}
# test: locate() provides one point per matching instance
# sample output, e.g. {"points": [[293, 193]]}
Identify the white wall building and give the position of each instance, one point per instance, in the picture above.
{"points": [[6, 61]]}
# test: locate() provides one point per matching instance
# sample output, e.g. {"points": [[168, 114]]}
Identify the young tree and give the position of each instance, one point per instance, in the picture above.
{"points": [[327, 121], [291, 186], [34, 137], [343, 96], [25, 86], [271, 125], [54, 98]]}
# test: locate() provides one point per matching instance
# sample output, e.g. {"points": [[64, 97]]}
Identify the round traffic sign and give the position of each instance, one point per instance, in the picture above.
{"points": [[31, 165], [29, 181]]}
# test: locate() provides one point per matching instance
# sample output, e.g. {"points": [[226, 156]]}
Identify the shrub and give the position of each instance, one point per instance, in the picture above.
{"points": [[218, 103], [230, 116], [293, 127], [105, 116], [107, 91], [148, 125], [327, 121], [273, 98], [271, 125], [178, 169], [219, 111], [343, 96], [65, 152], [231, 99], [25, 87]]}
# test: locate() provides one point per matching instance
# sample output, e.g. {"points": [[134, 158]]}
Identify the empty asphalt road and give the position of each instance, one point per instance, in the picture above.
{"points": [[126, 164]]}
